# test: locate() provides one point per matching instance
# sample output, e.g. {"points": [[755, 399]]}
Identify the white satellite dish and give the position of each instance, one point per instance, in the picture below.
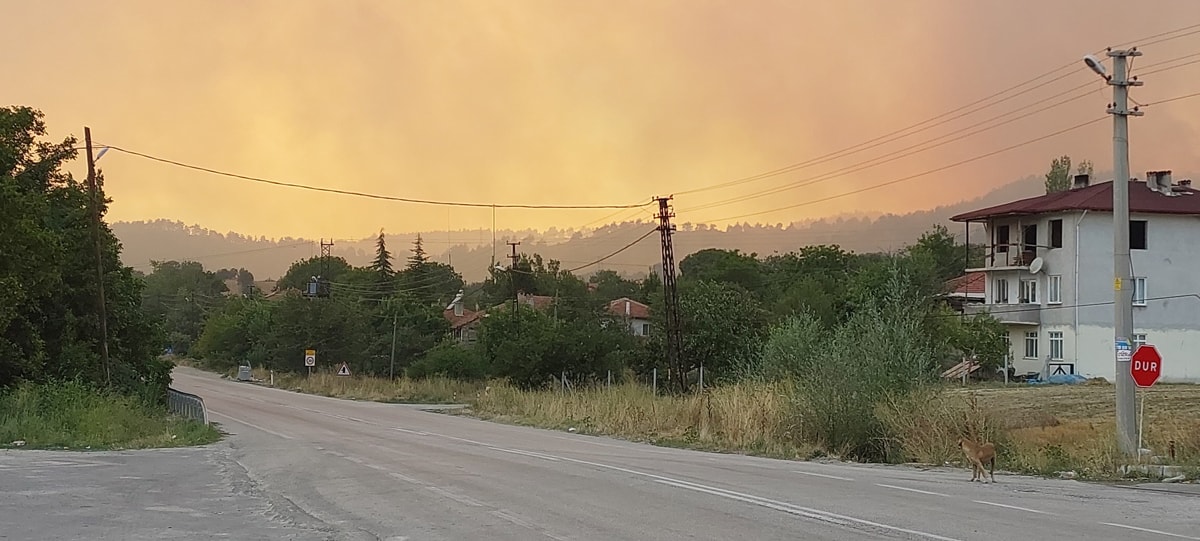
{"points": [[1036, 265]]}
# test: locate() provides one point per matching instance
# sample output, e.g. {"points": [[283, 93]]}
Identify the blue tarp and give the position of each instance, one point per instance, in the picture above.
{"points": [[1060, 379]]}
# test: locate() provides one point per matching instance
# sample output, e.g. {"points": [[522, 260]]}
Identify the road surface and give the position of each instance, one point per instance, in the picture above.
{"points": [[365, 470]]}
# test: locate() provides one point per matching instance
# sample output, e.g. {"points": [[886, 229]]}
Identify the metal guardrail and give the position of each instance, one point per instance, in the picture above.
{"points": [[186, 405]]}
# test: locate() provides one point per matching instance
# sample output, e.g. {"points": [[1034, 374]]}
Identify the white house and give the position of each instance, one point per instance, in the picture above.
{"points": [[634, 313], [1049, 276]]}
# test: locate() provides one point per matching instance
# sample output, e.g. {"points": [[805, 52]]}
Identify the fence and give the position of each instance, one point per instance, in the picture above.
{"points": [[186, 405]]}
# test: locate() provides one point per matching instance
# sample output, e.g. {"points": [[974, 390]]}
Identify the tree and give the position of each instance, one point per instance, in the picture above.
{"points": [[300, 273], [49, 315], [609, 286], [418, 258], [1085, 168], [722, 329], [180, 295], [383, 260], [728, 266], [1058, 179]]}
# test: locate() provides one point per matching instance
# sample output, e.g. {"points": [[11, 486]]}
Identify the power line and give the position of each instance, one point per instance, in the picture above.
{"points": [[626, 247], [904, 152], [936, 120], [370, 195], [917, 175], [943, 168]]}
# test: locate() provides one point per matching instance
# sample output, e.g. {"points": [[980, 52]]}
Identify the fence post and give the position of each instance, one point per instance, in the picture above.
{"points": [[610, 378], [654, 382], [701, 377]]}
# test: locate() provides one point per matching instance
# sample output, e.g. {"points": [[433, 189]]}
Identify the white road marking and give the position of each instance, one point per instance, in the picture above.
{"points": [[1148, 530], [456, 497], [525, 453], [1013, 507], [917, 490], [822, 475], [251, 425]]}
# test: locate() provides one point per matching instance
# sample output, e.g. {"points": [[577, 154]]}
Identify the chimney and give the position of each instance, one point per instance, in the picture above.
{"points": [[626, 307], [1081, 181], [1186, 182], [1152, 180]]}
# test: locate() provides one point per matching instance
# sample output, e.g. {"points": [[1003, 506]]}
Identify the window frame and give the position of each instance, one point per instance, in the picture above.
{"points": [[1135, 236], [1139, 301], [1054, 289], [1031, 338], [1024, 296], [1056, 233], [1056, 339]]}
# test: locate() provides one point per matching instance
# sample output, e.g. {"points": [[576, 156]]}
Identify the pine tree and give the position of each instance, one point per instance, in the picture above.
{"points": [[383, 259], [419, 258]]}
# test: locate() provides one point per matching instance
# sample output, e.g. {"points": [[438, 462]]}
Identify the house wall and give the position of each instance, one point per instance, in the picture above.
{"points": [[1169, 265], [638, 326]]}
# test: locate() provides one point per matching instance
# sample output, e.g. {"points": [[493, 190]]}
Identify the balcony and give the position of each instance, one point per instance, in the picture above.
{"points": [[1013, 314], [1009, 257]]}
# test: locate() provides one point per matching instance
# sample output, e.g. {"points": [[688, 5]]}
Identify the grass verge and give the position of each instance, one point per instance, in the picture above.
{"points": [[1041, 430], [399, 391], [75, 416]]}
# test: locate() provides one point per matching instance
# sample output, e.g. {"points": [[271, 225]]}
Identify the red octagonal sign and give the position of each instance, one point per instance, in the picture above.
{"points": [[1146, 367]]}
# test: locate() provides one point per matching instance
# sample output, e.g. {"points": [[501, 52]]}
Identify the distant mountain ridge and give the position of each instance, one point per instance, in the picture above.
{"points": [[471, 251]]}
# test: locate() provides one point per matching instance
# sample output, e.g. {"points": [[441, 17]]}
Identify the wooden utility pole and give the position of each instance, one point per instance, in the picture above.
{"points": [[96, 204]]}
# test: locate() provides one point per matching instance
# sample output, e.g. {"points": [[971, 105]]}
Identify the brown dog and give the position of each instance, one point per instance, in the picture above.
{"points": [[978, 454]]}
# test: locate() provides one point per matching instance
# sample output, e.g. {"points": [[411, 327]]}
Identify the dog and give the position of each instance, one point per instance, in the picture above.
{"points": [[978, 454]]}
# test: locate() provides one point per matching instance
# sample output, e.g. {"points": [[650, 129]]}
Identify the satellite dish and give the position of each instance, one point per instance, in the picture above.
{"points": [[1036, 265]]}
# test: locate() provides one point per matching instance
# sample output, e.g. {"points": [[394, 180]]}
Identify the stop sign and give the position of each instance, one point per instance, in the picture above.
{"points": [[1146, 366]]}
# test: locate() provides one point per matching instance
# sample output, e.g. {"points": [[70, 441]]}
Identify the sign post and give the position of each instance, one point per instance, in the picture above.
{"points": [[310, 359], [344, 370], [1146, 368]]}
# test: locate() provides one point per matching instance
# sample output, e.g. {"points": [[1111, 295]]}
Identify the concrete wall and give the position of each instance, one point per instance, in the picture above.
{"points": [[1170, 263]]}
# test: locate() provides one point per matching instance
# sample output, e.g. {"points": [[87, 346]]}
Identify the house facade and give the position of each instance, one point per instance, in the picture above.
{"points": [[1049, 276], [464, 324], [635, 314]]}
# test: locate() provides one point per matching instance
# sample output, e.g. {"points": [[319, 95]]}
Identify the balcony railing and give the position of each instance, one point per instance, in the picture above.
{"points": [[1020, 314], [1011, 255]]}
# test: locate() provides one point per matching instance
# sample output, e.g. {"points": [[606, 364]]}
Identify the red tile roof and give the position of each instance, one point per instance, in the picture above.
{"points": [[1097, 197], [465, 319], [971, 283], [637, 310]]}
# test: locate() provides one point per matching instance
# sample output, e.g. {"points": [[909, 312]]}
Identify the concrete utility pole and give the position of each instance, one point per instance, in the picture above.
{"points": [[1122, 262], [96, 204]]}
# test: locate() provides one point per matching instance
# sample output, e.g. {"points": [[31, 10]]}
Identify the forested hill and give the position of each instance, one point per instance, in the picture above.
{"points": [[471, 251]]}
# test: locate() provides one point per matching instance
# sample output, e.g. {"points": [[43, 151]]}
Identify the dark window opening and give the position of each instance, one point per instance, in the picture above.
{"points": [[1056, 233], [1137, 234], [1002, 238], [1031, 238]]}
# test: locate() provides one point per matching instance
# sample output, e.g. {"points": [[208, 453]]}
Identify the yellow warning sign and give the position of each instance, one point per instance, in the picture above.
{"points": [[1116, 284]]}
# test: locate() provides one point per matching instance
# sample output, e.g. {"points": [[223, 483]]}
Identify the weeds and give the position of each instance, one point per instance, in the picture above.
{"points": [[75, 416], [401, 390]]}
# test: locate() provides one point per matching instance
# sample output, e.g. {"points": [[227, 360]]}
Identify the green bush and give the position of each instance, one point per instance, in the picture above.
{"points": [[450, 360]]}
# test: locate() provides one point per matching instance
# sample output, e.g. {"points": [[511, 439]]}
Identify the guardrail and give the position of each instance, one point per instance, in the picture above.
{"points": [[186, 405]]}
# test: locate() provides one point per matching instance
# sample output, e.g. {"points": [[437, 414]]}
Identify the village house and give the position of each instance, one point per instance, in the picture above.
{"points": [[1048, 276], [635, 314]]}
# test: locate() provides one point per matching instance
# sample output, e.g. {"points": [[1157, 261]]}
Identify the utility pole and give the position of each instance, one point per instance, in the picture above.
{"points": [[392, 368], [1122, 262], [323, 280], [96, 204], [512, 281], [671, 296]]}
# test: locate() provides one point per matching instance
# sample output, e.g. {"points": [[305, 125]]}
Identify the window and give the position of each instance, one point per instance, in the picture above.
{"points": [[1031, 238], [1054, 289], [1137, 234], [1056, 233], [1002, 238], [1139, 291], [1029, 291], [1139, 339], [1000, 291], [1056, 345], [645, 329], [1031, 343]]}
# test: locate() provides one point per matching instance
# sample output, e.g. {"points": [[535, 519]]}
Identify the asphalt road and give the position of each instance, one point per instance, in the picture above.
{"points": [[359, 470]]}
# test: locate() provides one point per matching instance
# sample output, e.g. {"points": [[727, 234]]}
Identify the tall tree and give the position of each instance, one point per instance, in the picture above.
{"points": [[1058, 179], [49, 317], [418, 258], [383, 260]]}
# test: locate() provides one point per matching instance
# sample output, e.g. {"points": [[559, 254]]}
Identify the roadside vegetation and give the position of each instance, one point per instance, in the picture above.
{"points": [[56, 388], [79, 416]]}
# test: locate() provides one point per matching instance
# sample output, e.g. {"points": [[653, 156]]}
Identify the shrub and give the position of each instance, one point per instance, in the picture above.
{"points": [[450, 360]]}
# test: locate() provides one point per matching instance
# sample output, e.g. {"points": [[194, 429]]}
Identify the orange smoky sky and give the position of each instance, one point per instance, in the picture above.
{"points": [[573, 102]]}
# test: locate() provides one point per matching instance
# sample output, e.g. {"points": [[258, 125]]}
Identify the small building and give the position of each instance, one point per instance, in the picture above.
{"points": [[1049, 276], [464, 324], [635, 314]]}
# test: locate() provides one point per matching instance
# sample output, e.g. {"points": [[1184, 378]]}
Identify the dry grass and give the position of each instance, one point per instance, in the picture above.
{"points": [[750, 418], [1039, 429], [401, 390]]}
